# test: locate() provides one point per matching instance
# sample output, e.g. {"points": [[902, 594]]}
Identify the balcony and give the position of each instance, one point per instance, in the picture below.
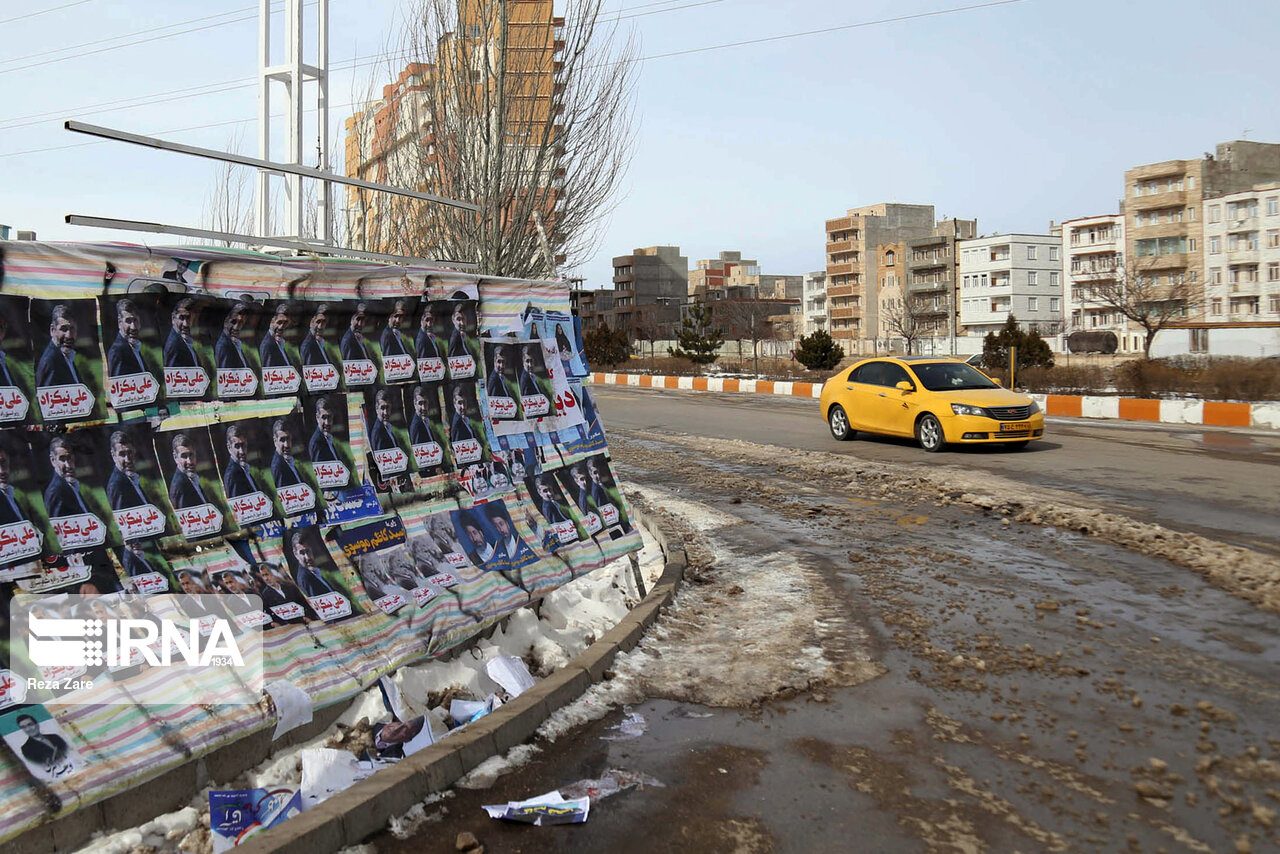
{"points": [[839, 246], [842, 313], [1247, 223], [929, 262], [842, 224], [1172, 261], [1156, 201], [1242, 256], [1246, 289], [836, 291], [925, 287], [839, 270]]}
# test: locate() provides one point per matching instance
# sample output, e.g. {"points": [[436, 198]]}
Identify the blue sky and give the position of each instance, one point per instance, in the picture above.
{"points": [[1015, 114]]}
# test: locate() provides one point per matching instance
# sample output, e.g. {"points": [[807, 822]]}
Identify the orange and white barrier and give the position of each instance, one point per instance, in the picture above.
{"points": [[1212, 413]]}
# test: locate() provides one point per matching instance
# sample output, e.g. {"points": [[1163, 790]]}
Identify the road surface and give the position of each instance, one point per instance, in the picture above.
{"points": [[1071, 648]]}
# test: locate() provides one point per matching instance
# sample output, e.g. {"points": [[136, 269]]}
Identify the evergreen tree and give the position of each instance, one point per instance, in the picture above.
{"points": [[1033, 351], [696, 339], [819, 351], [605, 347]]}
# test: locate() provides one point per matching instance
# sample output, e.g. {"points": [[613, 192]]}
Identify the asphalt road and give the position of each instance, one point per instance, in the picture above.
{"points": [[856, 662], [1224, 483]]}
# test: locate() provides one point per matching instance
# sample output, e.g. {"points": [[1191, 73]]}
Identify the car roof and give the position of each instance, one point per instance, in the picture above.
{"points": [[914, 359]]}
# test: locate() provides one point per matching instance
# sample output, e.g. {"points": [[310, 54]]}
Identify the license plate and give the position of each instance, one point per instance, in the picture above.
{"points": [[1015, 427]]}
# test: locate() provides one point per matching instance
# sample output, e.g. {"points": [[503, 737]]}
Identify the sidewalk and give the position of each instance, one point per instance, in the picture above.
{"points": [[1210, 413]]}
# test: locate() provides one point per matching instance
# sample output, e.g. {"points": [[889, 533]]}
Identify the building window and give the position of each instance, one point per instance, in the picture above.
{"points": [[1273, 272], [1191, 244], [1215, 306], [1033, 304], [1191, 182], [1055, 279], [1033, 277], [1215, 275], [1273, 238], [1215, 213], [1199, 340], [1273, 303], [1215, 245], [1055, 305], [1273, 205], [889, 258], [1031, 253], [1191, 214], [1053, 253]]}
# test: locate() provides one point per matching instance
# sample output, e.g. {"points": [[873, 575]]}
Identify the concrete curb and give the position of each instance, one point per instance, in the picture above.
{"points": [[1210, 413], [351, 816]]}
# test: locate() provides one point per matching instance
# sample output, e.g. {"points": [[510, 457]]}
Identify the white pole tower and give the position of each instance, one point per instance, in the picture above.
{"points": [[294, 73]]}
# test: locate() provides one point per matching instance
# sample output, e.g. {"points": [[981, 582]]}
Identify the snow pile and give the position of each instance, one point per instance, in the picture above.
{"points": [[572, 618]]}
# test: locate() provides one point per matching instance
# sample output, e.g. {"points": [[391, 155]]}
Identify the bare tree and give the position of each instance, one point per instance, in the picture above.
{"points": [[1134, 289], [908, 317], [747, 319], [501, 104], [229, 205]]}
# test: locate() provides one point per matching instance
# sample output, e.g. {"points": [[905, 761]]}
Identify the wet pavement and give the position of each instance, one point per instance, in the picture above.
{"points": [[849, 671]]}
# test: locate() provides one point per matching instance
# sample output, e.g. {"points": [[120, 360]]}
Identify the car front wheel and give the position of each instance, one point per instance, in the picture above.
{"points": [[838, 421], [929, 433]]}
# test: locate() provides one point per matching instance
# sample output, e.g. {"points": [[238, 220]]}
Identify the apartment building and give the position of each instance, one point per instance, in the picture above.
{"points": [[652, 276], [1163, 206], [1242, 255], [1011, 274], [931, 278], [854, 267], [713, 278], [394, 140], [814, 302], [1093, 257]]}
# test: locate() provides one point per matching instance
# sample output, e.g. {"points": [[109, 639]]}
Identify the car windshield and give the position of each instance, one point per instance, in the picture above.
{"points": [[950, 376]]}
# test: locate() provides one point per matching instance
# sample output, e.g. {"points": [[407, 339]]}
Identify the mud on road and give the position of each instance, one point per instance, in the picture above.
{"points": [[879, 657]]}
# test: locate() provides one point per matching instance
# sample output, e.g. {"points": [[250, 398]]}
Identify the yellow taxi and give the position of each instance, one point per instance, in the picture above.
{"points": [[939, 401]]}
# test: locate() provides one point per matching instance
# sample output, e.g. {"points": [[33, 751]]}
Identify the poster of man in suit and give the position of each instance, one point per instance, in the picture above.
{"points": [[243, 455], [69, 364], [319, 352], [462, 332], [428, 439], [468, 439], [386, 432], [43, 746], [146, 569], [556, 526], [502, 401], [328, 441], [198, 508], [429, 347], [329, 589], [396, 347], [360, 355], [135, 487], [188, 358], [278, 351], [235, 354], [23, 522], [17, 363], [290, 468], [131, 335], [534, 382], [74, 474]]}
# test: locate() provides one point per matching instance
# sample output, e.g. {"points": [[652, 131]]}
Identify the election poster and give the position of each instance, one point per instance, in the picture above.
{"points": [[428, 438], [244, 454], [502, 401], [577, 486], [491, 541], [297, 491], [556, 526], [319, 351], [468, 441], [386, 433], [534, 381], [606, 496], [197, 506], [378, 550], [134, 485], [187, 356], [359, 352], [73, 473], [279, 354], [43, 746], [146, 568], [68, 380], [329, 442], [329, 590], [17, 363], [395, 341], [131, 337], [430, 342], [281, 596], [86, 573], [464, 351], [23, 522], [236, 328]]}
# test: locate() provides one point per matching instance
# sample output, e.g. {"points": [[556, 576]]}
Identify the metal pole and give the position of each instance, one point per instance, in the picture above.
{"points": [[262, 226]]}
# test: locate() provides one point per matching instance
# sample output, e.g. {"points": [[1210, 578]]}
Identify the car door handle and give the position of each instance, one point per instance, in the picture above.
{"points": [[882, 394]]}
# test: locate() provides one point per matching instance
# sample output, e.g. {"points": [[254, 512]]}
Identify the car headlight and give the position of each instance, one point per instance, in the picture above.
{"points": [[1034, 408], [966, 409]]}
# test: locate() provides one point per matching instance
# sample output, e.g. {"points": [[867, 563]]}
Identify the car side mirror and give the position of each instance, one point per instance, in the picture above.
{"points": [[905, 386]]}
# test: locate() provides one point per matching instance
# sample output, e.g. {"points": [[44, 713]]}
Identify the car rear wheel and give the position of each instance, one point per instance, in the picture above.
{"points": [[929, 433], [838, 421]]}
